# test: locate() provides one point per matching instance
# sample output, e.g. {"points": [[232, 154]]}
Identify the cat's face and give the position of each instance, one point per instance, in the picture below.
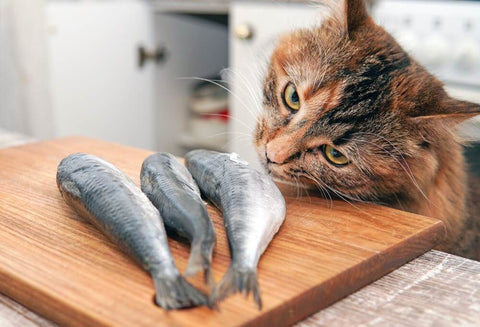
{"points": [[342, 105]]}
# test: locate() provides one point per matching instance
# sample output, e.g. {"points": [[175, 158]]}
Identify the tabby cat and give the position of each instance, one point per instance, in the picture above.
{"points": [[348, 110]]}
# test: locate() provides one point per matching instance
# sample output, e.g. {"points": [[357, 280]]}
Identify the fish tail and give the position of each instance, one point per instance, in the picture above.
{"points": [[201, 259], [238, 280], [177, 293]]}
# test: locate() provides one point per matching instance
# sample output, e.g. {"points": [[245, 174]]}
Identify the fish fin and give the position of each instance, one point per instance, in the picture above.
{"points": [[201, 259], [177, 293], [238, 280]]}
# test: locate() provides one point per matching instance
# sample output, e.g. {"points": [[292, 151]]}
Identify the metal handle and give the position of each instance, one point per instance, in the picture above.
{"points": [[243, 31], [158, 55]]}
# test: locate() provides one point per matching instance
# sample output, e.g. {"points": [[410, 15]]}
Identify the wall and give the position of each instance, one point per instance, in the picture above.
{"points": [[25, 104]]}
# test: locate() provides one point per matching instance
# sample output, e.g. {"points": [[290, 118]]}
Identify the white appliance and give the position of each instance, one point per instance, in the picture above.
{"points": [[444, 36]]}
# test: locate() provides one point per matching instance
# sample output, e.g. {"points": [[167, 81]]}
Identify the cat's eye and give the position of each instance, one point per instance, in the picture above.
{"points": [[334, 156], [290, 97]]}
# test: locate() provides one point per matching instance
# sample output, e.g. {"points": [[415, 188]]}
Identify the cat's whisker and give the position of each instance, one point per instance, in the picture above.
{"points": [[236, 136], [303, 188], [241, 138], [317, 182], [255, 73], [330, 197], [295, 184], [250, 128], [228, 133], [321, 186], [405, 166], [297, 188], [253, 96], [325, 194], [256, 105], [344, 197], [228, 144], [223, 87]]}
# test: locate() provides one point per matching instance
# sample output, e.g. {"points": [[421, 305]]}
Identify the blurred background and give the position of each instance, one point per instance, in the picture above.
{"points": [[176, 75]]}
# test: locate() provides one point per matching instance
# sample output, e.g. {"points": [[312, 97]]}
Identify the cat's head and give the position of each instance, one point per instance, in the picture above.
{"points": [[346, 108]]}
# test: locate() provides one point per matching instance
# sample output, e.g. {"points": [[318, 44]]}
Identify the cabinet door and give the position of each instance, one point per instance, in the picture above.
{"points": [[254, 30], [196, 48], [97, 87]]}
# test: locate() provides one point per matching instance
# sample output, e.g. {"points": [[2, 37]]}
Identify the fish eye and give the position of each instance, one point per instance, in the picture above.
{"points": [[334, 156], [290, 97]]}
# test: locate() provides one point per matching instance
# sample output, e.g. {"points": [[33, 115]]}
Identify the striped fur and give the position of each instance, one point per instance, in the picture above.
{"points": [[363, 94]]}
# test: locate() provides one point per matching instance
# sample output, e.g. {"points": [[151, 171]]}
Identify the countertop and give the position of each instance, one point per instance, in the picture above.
{"points": [[436, 289]]}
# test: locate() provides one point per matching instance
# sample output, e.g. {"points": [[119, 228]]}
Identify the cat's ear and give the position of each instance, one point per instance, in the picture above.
{"points": [[450, 111], [355, 14]]}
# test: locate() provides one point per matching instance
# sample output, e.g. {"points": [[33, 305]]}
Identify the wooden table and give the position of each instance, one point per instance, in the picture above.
{"points": [[435, 289]]}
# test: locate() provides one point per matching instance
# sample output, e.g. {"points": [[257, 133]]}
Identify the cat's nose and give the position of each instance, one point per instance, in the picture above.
{"points": [[276, 153]]}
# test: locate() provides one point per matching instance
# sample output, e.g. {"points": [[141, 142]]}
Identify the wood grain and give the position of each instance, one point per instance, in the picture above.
{"points": [[437, 289], [13, 314], [62, 267]]}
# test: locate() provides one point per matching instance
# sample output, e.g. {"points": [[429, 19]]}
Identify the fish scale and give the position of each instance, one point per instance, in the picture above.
{"points": [[172, 189], [253, 211], [103, 195]]}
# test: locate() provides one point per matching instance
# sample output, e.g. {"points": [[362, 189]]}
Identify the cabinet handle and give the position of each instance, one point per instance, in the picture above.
{"points": [[243, 31], [158, 55]]}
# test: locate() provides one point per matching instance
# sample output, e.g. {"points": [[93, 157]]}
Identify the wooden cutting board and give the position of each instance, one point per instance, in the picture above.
{"points": [[58, 265]]}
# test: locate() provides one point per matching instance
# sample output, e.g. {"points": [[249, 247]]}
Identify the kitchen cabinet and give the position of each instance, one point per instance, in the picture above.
{"points": [[196, 48], [99, 89]]}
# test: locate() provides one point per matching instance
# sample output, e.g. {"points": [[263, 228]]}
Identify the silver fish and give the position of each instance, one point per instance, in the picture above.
{"points": [[253, 211], [110, 200], [171, 188]]}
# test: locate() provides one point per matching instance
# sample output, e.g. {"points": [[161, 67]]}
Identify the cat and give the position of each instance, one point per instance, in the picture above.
{"points": [[348, 110]]}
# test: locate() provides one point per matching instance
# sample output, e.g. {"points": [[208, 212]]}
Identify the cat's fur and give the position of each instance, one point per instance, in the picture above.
{"points": [[363, 94]]}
